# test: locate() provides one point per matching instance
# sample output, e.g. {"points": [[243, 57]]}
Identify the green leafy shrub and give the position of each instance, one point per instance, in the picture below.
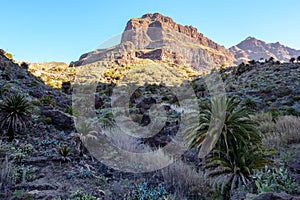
{"points": [[287, 110], [274, 180], [249, 103], [20, 194], [19, 153], [69, 110], [80, 195], [47, 100], [14, 114], [47, 142], [45, 120], [242, 68], [22, 173], [275, 113], [144, 191], [86, 174]]}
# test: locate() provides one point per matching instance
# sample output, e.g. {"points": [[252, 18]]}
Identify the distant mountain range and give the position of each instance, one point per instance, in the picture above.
{"points": [[176, 51], [254, 49], [162, 39]]}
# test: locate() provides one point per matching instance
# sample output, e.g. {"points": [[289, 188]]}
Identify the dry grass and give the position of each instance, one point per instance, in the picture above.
{"points": [[5, 179], [185, 180], [284, 131], [132, 155], [266, 122], [53, 73]]}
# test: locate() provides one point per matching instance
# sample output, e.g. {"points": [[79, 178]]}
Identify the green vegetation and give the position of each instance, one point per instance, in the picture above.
{"points": [[50, 158], [69, 110], [274, 180], [238, 150], [14, 114], [145, 192], [53, 73], [80, 195], [292, 60], [47, 100], [64, 152]]}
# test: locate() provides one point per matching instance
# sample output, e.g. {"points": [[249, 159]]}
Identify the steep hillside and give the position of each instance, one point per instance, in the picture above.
{"points": [[52, 73], [254, 49], [268, 86]]}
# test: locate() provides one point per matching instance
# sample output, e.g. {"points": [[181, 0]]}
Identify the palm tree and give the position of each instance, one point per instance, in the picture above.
{"points": [[271, 60], [237, 123], [14, 114], [292, 60], [236, 150], [252, 62], [233, 171]]}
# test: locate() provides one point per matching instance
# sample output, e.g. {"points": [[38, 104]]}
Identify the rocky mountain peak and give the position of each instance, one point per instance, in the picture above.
{"points": [[160, 21], [158, 37], [254, 49], [250, 38]]}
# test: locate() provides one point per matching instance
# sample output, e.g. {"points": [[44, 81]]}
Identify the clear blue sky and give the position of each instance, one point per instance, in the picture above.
{"points": [[62, 30]]}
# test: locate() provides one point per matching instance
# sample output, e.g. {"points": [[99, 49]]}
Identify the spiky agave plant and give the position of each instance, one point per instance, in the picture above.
{"points": [[14, 114], [236, 147]]}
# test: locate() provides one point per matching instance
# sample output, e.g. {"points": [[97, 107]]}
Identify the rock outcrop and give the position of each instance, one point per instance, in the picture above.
{"points": [[159, 21], [157, 37]]}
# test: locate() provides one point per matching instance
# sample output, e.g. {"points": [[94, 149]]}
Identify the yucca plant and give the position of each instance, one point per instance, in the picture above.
{"points": [[227, 129], [14, 114], [64, 152]]}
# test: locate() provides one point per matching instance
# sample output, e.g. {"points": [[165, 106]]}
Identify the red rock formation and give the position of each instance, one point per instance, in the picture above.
{"points": [[219, 53], [157, 37]]}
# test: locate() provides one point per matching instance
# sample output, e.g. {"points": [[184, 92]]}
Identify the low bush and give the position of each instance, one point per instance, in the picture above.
{"points": [[144, 191], [273, 180], [185, 180], [47, 100]]}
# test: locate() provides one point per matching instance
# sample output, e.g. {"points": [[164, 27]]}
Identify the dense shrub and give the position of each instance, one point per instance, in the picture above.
{"points": [[144, 191], [273, 180]]}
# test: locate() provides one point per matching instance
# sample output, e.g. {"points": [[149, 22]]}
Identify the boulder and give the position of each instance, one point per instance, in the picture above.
{"points": [[59, 119], [66, 87], [276, 196]]}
